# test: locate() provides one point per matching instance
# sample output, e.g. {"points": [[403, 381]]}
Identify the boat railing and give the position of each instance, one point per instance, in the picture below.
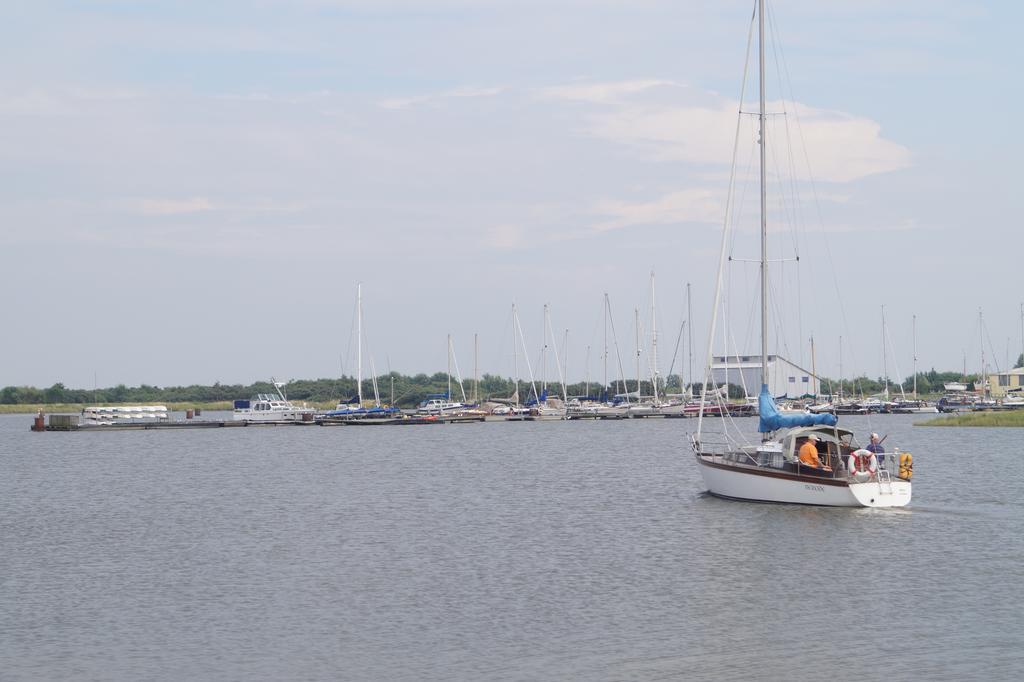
{"points": [[721, 446]]}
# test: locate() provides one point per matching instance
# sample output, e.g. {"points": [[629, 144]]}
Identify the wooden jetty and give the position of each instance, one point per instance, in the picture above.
{"points": [[404, 420], [71, 422]]}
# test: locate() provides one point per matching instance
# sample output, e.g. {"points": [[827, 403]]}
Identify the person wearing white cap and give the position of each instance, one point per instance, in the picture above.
{"points": [[875, 447], [809, 453]]}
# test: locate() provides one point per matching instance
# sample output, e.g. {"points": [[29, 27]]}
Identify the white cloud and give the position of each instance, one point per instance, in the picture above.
{"points": [[506, 237], [158, 207], [602, 92], [667, 121], [434, 98], [684, 206]]}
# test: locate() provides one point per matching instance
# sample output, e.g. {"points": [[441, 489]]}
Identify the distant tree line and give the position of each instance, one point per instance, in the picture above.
{"points": [[407, 390], [410, 390]]}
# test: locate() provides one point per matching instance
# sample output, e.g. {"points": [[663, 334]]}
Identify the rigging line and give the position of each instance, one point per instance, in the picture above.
{"points": [[526, 357], [734, 207], [780, 340], [752, 321], [789, 215], [725, 240], [682, 325], [743, 378], [817, 205], [995, 360], [753, 302], [373, 382], [351, 333], [895, 362], [721, 393], [558, 361], [618, 355], [675, 353], [455, 363], [778, 57], [738, 216]]}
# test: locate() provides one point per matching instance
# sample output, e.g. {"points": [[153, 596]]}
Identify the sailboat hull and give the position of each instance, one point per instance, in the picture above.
{"points": [[757, 484]]}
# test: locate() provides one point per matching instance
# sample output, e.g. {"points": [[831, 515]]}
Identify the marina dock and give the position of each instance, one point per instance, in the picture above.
{"points": [[73, 422]]}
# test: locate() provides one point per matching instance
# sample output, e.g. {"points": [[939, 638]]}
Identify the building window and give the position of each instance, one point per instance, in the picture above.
{"points": [[805, 379], [1004, 379], [792, 380]]}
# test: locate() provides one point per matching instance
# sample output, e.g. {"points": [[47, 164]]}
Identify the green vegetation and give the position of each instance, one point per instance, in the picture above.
{"points": [[928, 383], [323, 393], [1011, 418], [408, 391]]}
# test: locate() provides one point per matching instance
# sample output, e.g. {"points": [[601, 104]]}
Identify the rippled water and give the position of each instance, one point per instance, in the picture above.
{"points": [[573, 550]]}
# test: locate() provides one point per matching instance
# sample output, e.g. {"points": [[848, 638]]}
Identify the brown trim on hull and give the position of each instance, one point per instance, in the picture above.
{"points": [[771, 473], [760, 501]]}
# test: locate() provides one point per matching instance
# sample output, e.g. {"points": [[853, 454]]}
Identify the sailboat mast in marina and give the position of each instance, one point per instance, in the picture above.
{"points": [[801, 459], [359, 343]]}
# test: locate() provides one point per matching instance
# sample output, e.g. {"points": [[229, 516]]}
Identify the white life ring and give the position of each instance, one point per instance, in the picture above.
{"points": [[862, 465]]}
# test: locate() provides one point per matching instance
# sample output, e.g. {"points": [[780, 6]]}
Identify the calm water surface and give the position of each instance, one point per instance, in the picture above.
{"points": [[554, 551]]}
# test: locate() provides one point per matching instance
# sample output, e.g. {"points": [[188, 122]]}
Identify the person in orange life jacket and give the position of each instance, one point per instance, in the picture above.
{"points": [[875, 446], [809, 453]]}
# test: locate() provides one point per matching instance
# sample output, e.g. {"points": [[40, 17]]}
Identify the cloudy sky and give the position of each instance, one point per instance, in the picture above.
{"points": [[191, 191]]}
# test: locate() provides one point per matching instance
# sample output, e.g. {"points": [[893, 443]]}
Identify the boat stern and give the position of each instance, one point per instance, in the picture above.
{"points": [[882, 493]]}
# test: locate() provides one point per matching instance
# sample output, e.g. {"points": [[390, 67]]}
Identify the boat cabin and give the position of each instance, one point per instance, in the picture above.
{"points": [[834, 444]]}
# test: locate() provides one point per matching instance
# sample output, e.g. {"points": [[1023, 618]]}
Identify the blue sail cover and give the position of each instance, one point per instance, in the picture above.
{"points": [[771, 420]]}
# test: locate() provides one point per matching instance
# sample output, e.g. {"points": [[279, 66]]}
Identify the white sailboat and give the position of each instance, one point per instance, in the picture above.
{"points": [[356, 408], [770, 471]]}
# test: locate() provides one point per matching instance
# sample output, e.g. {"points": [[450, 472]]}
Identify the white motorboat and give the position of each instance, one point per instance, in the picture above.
{"points": [[550, 409], [831, 470], [440, 403], [268, 407]]}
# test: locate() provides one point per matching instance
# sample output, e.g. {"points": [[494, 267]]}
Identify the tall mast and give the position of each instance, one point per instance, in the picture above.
{"points": [[476, 369], [565, 367], [840, 368], [359, 342], [636, 322], [764, 202], [550, 331], [1022, 331], [689, 335], [654, 341], [544, 354], [682, 378], [586, 391], [885, 367], [605, 384], [914, 340], [981, 338], [814, 371], [449, 396], [515, 356], [526, 354]]}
